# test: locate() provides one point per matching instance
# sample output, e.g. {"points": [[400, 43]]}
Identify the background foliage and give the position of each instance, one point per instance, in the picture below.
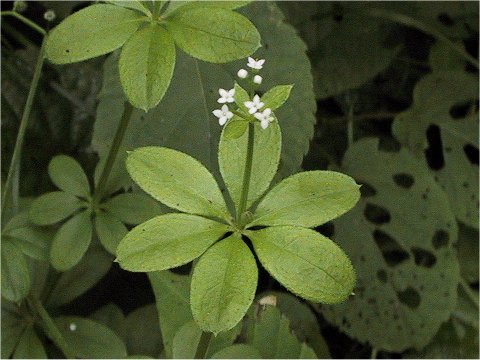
{"points": [[385, 92]]}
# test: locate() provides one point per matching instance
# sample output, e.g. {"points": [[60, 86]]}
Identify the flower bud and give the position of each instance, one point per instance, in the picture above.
{"points": [[257, 79], [49, 15], [242, 73]]}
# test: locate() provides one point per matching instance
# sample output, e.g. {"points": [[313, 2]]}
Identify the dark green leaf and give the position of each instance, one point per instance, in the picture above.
{"points": [[143, 331], [53, 207], [237, 351], [15, 273], [29, 346]]}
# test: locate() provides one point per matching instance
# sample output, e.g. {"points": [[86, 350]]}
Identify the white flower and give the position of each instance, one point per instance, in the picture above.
{"points": [[255, 105], [257, 79], [264, 117], [49, 15], [242, 73], [255, 64], [226, 96], [73, 326], [223, 115]]}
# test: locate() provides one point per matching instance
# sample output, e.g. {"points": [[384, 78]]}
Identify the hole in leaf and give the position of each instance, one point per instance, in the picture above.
{"points": [[461, 110], [434, 152], [445, 19], [472, 153], [440, 239], [367, 190], [382, 276], [423, 257], [376, 214], [409, 297], [327, 229], [391, 251], [404, 180]]}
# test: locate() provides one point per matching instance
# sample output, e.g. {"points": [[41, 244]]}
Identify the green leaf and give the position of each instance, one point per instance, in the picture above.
{"points": [[13, 324], [237, 351], [91, 32], [71, 242], [76, 281], [235, 128], [223, 285], [33, 241], [29, 346], [400, 239], [143, 331], [307, 199], [305, 262], [15, 273], [468, 250], [348, 58], [434, 98], [241, 97], [89, 339], [272, 336], [186, 123], [229, 4], [110, 231], [167, 241], [232, 154], [146, 66], [133, 208], [186, 341], [443, 58], [213, 34], [111, 316], [67, 174], [134, 5], [276, 96], [177, 180], [172, 295], [53, 207], [303, 322]]}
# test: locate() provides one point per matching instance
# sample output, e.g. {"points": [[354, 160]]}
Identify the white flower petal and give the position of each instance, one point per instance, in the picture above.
{"points": [[224, 108], [223, 92], [229, 115], [249, 104], [222, 100], [222, 120], [264, 124], [259, 116], [252, 110], [261, 62], [218, 113], [267, 112], [231, 92]]}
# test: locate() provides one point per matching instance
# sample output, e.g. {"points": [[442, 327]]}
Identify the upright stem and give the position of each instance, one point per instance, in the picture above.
{"points": [[51, 329], [247, 173], [112, 155], [374, 353], [17, 152], [203, 345]]}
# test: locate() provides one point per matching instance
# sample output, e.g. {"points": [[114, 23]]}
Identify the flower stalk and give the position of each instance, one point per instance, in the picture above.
{"points": [[247, 173]]}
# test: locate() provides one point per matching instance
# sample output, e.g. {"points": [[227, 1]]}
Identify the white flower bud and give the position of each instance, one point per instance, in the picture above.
{"points": [[73, 326], [19, 6], [49, 15], [242, 73], [257, 79]]}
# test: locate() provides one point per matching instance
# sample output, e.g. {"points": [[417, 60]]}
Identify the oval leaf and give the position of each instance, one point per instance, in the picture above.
{"points": [[71, 242], [232, 155], [177, 180], [90, 340], [76, 281], [53, 207], [29, 346], [167, 241], [223, 285], [146, 66], [67, 174], [15, 273], [238, 351], [213, 34], [235, 128], [305, 262], [110, 231], [91, 32], [133, 208], [307, 199], [276, 96]]}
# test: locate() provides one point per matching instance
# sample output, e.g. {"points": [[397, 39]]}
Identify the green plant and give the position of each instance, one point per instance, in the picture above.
{"points": [[225, 278]]}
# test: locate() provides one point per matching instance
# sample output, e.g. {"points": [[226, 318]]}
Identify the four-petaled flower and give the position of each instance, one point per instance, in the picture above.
{"points": [[223, 114], [255, 105], [255, 64], [226, 96], [264, 117]]}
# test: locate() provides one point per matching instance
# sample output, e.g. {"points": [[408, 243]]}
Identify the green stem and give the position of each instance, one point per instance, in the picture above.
{"points": [[112, 155], [17, 151], [203, 345], [26, 21], [374, 353], [247, 173], [350, 126], [51, 329], [470, 293]]}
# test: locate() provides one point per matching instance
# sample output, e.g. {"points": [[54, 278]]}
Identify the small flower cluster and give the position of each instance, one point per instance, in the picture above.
{"points": [[254, 106]]}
